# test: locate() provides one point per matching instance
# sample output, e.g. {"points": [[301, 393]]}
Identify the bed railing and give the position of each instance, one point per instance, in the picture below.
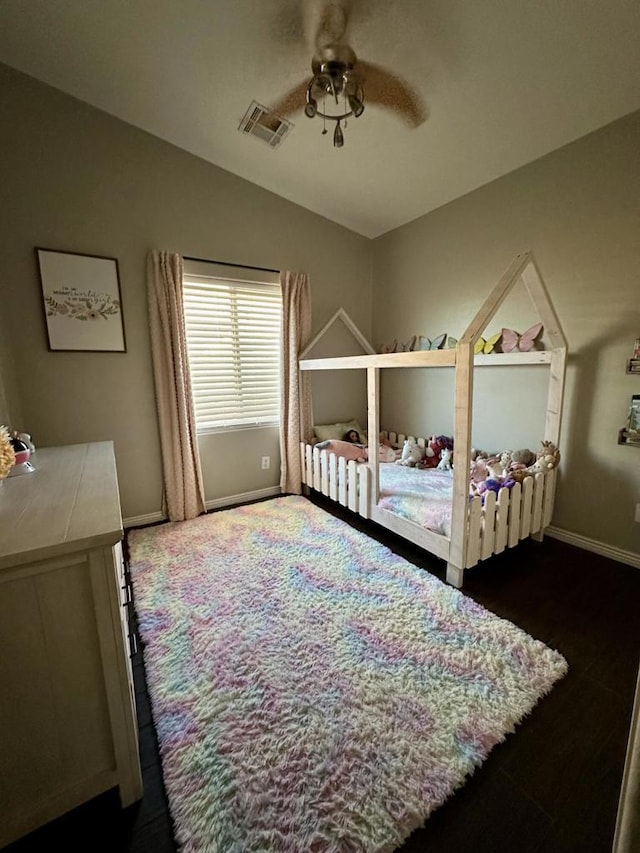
{"points": [[500, 522], [511, 515], [348, 483]]}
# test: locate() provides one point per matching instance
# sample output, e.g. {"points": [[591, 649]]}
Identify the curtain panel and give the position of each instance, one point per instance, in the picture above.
{"points": [[296, 413], [183, 496]]}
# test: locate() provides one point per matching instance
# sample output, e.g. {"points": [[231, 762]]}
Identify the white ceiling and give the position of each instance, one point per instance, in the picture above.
{"points": [[505, 82]]}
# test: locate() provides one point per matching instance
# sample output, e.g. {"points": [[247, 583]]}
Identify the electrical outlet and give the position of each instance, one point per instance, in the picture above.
{"points": [[638, 513], [266, 462]]}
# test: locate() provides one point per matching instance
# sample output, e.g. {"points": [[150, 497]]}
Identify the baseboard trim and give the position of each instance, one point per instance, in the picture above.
{"points": [[596, 547], [143, 520], [244, 497], [216, 503]]}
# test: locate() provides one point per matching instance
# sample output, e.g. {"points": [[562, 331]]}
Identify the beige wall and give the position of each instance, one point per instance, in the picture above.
{"points": [[578, 209], [76, 179], [10, 409]]}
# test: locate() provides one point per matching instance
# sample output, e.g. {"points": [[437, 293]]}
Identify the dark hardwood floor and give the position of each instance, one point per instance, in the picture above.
{"points": [[551, 787]]}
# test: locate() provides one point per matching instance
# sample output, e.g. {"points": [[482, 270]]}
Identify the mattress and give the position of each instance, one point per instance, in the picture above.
{"points": [[420, 495]]}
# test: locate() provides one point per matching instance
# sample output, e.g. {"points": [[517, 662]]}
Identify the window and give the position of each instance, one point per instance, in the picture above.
{"points": [[233, 317]]}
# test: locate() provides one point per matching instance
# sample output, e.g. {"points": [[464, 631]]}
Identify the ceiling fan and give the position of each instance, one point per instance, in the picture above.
{"points": [[341, 82]]}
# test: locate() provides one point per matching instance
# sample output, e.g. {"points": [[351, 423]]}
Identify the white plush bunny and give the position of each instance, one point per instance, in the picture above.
{"points": [[411, 453]]}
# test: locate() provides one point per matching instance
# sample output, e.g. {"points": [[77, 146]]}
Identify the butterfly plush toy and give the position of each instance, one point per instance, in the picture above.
{"points": [[513, 342]]}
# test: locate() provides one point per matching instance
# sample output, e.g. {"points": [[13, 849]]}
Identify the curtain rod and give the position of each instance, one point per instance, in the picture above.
{"points": [[226, 264]]}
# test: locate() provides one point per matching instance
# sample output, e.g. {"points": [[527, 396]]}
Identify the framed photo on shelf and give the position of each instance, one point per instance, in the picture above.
{"points": [[633, 423], [82, 302]]}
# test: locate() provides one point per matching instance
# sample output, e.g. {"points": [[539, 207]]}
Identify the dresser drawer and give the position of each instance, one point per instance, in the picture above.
{"points": [[69, 729]]}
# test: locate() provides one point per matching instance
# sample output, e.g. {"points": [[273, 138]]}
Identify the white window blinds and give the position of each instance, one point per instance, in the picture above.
{"points": [[233, 340]]}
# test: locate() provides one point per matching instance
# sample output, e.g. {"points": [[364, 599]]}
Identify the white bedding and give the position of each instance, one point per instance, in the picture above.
{"points": [[419, 495]]}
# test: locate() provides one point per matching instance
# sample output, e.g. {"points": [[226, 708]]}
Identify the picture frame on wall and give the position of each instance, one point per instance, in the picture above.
{"points": [[82, 301]]}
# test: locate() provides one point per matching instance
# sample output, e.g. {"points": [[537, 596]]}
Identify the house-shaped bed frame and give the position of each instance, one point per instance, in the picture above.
{"points": [[477, 529]]}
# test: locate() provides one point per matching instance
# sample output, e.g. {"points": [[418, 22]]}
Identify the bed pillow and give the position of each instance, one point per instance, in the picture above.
{"points": [[345, 449], [336, 432]]}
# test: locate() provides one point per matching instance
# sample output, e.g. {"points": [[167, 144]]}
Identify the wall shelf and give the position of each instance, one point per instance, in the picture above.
{"points": [[630, 439]]}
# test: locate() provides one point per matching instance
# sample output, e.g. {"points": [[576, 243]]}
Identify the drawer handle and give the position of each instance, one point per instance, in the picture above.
{"points": [[133, 644]]}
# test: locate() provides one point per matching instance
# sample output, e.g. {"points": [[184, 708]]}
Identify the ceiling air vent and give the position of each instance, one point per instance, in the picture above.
{"points": [[267, 126]]}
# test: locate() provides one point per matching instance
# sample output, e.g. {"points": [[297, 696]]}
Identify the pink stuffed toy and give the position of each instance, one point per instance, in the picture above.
{"points": [[478, 473]]}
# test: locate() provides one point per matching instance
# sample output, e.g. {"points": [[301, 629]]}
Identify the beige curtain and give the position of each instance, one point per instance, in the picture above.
{"points": [[182, 477], [296, 414]]}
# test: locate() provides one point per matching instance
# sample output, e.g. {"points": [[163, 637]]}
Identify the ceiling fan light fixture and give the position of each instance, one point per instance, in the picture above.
{"points": [[330, 80], [336, 90]]}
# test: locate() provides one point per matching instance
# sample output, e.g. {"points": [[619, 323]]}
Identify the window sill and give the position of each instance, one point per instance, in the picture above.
{"points": [[235, 428]]}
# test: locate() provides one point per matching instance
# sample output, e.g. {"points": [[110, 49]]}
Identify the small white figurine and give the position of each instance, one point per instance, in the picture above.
{"points": [[445, 460]]}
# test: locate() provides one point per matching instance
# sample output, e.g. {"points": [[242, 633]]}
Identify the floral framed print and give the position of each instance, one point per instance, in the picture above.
{"points": [[82, 302]]}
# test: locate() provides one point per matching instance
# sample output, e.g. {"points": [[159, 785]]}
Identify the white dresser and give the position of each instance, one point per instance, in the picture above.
{"points": [[67, 710]]}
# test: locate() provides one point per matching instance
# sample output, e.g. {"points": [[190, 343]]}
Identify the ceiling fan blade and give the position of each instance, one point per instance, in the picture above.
{"points": [[292, 101], [332, 26], [326, 21], [388, 90]]}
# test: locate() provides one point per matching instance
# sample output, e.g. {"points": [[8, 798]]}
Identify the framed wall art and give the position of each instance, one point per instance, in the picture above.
{"points": [[82, 302]]}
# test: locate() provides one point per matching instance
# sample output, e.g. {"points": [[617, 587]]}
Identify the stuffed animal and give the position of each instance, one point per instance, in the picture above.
{"points": [[519, 475], [478, 471], [494, 467], [445, 460], [429, 460], [523, 457], [478, 454], [493, 484], [387, 454], [412, 453], [444, 441], [431, 453], [515, 460], [548, 457]]}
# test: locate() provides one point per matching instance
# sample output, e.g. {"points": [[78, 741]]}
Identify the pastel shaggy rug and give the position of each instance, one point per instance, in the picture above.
{"points": [[311, 690]]}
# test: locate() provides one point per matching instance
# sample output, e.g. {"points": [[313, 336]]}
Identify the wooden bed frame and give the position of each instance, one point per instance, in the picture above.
{"points": [[477, 531]]}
